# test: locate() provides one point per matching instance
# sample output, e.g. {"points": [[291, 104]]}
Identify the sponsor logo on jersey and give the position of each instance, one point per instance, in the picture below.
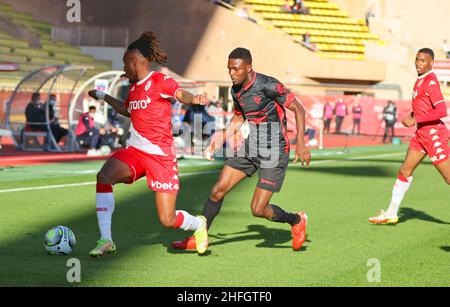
{"points": [[432, 82], [139, 104], [164, 186]]}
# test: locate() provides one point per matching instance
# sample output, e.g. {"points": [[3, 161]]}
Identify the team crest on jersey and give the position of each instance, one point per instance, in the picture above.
{"points": [[148, 85], [281, 89], [257, 99]]}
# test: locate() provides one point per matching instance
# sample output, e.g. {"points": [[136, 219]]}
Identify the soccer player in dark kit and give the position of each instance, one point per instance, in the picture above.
{"points": [[262, 101]]}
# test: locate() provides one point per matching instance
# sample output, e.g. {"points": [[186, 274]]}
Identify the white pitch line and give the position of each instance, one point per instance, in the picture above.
{"points": [[49, 187], [354, 158], [186, 174], [89, 183]]}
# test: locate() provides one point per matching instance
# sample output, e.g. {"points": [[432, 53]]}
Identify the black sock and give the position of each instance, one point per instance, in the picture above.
{"points": [[211, 209], [281, 216]]}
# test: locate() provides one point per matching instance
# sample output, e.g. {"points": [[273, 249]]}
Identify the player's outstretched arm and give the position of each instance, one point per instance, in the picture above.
{"points": [[187, 98], [117, 105], [220, 137], [301, 152]]}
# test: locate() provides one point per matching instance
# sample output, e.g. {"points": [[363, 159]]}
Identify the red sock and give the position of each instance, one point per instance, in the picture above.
{"points": [[402, 178], [180, 220]]}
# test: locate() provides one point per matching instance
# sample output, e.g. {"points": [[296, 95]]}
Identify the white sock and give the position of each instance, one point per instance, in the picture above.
{"points": [[105, 210], [186, 221], [398, 192]]}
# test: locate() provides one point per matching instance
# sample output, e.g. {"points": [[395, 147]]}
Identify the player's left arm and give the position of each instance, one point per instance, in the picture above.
{"points": [[188, 98], [301, 152]]}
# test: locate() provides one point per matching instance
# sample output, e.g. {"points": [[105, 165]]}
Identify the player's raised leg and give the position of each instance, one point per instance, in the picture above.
{"points": [[405, 177], [113, 171], [262, 208], [172, 218], [228, 179]]}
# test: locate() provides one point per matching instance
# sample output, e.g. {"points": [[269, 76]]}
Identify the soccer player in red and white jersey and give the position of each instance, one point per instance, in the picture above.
{"points": [[431, 137], [150, 148]]}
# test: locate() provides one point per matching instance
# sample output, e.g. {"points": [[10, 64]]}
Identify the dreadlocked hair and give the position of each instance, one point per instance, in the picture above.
{"points": [[148, 45]]}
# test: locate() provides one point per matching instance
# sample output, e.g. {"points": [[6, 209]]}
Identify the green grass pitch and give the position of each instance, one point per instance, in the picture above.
{"points": [[339, 192]]}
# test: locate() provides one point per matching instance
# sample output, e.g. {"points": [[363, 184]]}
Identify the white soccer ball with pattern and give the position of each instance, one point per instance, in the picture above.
{"points": [[59, 240]]}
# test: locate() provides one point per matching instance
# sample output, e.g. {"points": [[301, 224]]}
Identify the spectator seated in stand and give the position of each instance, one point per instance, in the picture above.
{"points": [[87, 134], [35, 114], [299, 7], [57, 131], [307, 42]]}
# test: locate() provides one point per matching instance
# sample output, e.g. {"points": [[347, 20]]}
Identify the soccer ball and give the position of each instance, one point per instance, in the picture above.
{"points": [[59, 240]]}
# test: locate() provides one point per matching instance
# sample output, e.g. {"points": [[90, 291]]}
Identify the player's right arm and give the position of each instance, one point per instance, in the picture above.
{"points": [[220, 137], [115, 103]]}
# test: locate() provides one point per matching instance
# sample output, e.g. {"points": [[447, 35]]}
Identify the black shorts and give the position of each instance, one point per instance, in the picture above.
{"points": [[270, 178]]}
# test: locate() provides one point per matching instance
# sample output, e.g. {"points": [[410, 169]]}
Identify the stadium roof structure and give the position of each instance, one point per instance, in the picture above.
{"points": [[47, 80]]}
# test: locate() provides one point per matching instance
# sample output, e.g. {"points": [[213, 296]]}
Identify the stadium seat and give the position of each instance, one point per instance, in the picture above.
{"points": [[334, 33], [49, 53]]}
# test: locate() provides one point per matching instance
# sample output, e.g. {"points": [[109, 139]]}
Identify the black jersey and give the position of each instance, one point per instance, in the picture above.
{"points": [[262, 102]]}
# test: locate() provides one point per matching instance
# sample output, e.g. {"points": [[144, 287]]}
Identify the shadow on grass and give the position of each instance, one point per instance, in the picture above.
{"points": [[135, 226], [406, 214], [397, 161], [270, 237], [446, 248], [354, 171]]}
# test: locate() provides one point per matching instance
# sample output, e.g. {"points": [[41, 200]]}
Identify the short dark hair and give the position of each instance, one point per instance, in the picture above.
{"points": [[241, 53], [35, 95], [427, 51], [92, 108]]}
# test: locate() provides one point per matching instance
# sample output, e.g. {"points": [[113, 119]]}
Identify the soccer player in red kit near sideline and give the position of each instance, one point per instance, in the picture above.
{"points": [[150, 151], [262, 101], [431, 136]]}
